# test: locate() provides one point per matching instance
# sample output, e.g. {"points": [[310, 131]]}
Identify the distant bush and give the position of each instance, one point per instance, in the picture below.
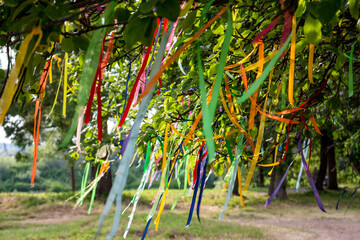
{"points": [[58, 187], [52, 175]]}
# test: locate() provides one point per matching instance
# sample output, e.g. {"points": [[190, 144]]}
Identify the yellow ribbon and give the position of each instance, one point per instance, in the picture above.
{"points": [[311, 62], [12, 83], [65, 75], [240, 188], [292, 63], [254, 96]]}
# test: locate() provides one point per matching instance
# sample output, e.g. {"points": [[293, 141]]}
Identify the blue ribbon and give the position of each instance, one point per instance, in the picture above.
{"points": [[195, 191], [201, 189]]}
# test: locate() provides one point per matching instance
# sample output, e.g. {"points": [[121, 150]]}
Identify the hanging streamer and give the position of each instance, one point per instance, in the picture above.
{"points": [[311, 181], [21, 61], [196, 186], [306, 147], [120, 179], [263, 111], [66, 60], [89, 71], [255, 94], [310, 63], [176, 54], [209, 109], [84, 179], [144, 180], [267, 29], [136, 84], [234, 164], [272, 196], [202, 186], [79, 127], [58, 89], [266, 72], [37, 117], [94, 190], [292, 62], [96, 88], [257, 149]]}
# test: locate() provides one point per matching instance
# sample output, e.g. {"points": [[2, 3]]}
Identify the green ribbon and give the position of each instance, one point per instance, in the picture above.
{"points": [[209, 110], [234, 165], [84, 180], [88, 74], [94, 189], [123, 169], [148, 153], [265, 73]]}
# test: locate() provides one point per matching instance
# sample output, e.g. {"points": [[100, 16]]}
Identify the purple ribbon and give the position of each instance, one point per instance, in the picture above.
{"points": [[123, 147], [316, 193], [278, 187]]}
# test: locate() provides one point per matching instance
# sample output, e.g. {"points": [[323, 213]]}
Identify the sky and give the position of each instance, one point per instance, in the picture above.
{"points": [[3, 65], [3, 138]]}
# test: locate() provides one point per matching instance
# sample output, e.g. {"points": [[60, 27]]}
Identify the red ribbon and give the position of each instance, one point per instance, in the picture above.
{"points": [[132, 93]]}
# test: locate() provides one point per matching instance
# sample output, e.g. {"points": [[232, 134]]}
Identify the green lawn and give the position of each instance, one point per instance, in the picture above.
{"points": [[50, 216]]}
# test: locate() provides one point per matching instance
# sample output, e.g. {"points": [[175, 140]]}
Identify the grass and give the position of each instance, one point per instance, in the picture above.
{"points": [[49, 216]]}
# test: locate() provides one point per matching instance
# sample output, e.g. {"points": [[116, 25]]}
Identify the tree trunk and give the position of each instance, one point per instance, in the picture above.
{"points": [[104, 185], [274, 182], [72, 173], [356, 166], [323, 161], [330, 153], [236, 186], [261, 177]]}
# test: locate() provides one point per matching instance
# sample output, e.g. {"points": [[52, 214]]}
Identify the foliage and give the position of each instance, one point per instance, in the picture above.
{"points": [[325, 89]]}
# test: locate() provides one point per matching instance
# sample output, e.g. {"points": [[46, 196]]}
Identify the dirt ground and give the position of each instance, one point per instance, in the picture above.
{"points": [[301, 223], [277, 222]]}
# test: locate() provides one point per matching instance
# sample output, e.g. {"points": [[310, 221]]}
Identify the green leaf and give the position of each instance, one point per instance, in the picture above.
{"points": [[218, 168], [186, 8], [335, 103], [11, 3], [189, 20], [186, 85], [253, 132], [301, 8], [150, 22], [74, 155], [2, 74], [354, 8], [133, 33], [20, 8], [147, 6], [67, 45], [53, 36], [312, 30], [52, 12], [81, 42], [169, 9], [307, 114], [122, 15], [324, 10]]}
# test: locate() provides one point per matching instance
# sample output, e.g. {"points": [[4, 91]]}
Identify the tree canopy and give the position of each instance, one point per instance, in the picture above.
{"points": [[193, 86]]}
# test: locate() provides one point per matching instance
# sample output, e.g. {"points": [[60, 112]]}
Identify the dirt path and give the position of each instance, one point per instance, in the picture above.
{"points": [[300, 223], [288, 221]]}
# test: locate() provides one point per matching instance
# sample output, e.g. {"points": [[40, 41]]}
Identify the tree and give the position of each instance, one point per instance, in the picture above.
{"points": [[305, 87]]}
